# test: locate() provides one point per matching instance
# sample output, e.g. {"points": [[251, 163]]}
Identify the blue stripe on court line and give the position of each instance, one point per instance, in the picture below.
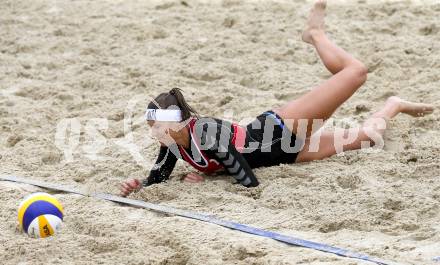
{"points": [[207, 218], [38, 208]]}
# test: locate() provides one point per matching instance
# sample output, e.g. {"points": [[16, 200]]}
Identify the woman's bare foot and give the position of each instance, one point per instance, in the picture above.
{"points": [[411, 108], [315, 22]]}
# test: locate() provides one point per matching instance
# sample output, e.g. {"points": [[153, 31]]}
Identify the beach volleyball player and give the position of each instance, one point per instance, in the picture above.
{"points": [[211, 145]]}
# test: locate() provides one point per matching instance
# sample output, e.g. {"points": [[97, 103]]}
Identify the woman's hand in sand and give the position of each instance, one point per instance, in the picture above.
{"points": [[193, 178], [129, 186]]}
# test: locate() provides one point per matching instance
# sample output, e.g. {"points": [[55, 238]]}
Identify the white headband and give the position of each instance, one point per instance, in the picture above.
{"points": [[163, 115]]}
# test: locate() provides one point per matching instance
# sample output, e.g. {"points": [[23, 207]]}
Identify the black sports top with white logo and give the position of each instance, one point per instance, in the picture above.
{"points": [[221, 145]]}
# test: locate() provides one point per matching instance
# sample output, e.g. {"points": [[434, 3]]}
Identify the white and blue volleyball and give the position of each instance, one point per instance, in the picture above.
{"points": [[40, 215]]}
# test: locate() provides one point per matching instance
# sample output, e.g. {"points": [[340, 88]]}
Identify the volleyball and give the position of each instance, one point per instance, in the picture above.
{"points": [[40, 215]]}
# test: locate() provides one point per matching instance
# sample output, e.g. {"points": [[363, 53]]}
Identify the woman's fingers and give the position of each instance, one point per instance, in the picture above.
{"points": [[124, 192], [190, 177], [134, 183], [198, 177], [129, 186], [124, 186], [190, 180], [193, 178]]}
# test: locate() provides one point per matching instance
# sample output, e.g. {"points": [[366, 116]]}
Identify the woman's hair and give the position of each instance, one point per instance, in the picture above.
{"points": [[174, 98]]}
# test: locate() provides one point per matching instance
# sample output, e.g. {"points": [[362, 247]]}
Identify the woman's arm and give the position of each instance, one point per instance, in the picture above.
{"points": [[161, 171], [236, 165]]}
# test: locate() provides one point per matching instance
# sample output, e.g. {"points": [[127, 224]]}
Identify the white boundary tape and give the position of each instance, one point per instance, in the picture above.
{"points": [[205, 218]]}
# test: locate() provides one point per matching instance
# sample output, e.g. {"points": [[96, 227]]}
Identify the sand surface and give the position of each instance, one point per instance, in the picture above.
{"points": [[85, 60]]}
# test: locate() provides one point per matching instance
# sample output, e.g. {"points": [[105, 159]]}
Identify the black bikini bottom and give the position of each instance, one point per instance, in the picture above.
{"points": [[269, 142]]}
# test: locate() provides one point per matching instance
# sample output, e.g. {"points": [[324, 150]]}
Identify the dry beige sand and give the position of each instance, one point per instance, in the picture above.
{"points": [[87, 59]]}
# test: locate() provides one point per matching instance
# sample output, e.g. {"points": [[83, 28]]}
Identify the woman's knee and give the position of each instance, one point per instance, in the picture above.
{"points": [[360, 71], [317, 148]]}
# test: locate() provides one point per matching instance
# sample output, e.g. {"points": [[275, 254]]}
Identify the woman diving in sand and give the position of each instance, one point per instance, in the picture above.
{"points": [[210, 144]]}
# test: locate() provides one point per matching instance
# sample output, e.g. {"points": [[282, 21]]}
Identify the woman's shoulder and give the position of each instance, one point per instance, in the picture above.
{"points": [[207, 122]]}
